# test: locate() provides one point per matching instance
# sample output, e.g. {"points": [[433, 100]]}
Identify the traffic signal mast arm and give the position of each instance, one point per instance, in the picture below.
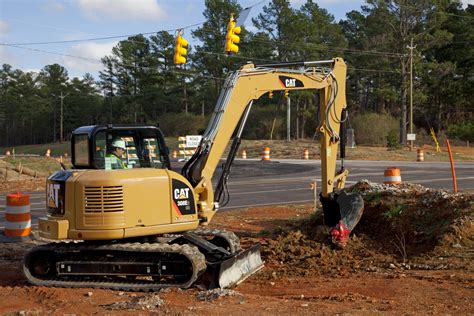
{"points": [[248, 84]]}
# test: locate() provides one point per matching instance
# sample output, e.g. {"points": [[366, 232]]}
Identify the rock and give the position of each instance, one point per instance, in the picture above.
{"points": [[392, 266], [89, 294], [148, 301], [214, 294]]}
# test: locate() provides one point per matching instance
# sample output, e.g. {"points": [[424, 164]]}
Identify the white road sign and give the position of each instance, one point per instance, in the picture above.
{"points": [[411, 136], [192, 141]]}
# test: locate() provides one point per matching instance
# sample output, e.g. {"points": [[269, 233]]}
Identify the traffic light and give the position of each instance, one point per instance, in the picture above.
{"points": [[270, 94], [286, 93], [232, 38], [180, 50]]}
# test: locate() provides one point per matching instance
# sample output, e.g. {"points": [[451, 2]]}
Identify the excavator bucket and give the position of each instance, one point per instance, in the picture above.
{"points": [[233, 270], [342, 211], [351, 207]]}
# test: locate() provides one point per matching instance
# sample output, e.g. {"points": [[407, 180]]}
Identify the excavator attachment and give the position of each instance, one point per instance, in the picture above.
{"points": [[342, 211], [236, 269], [351, 207], [227, 264]]}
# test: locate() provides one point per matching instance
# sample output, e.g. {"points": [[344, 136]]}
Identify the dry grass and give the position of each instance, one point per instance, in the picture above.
{"points": [[294, 150]]}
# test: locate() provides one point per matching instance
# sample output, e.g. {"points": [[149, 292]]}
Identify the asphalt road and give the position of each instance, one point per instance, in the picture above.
{"points": [[256, 183]]}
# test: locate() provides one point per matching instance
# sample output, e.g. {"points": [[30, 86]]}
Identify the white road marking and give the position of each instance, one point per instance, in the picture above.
{"points": [[441, 179], [267, 204]]}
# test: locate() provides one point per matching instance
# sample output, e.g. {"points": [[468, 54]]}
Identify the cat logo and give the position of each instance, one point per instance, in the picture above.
{"points": [[289, 83], [52, 190], [181, 194]]}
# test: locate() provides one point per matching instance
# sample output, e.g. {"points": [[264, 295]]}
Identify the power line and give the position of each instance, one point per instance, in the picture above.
{"points": [[90, 60], [116, 36], [102, 38], [187, 73]]}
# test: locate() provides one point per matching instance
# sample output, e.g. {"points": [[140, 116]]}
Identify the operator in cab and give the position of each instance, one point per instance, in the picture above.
{"points": [[113, 159]]}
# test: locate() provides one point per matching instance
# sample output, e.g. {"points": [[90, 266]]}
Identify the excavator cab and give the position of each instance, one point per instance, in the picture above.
{"points": [[145, 147]]}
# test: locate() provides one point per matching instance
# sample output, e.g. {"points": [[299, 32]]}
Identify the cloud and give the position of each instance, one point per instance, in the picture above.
{"points": [[466, 2], [90, 50], [298, 3], [4, 27], [53, 6], [6, 56], [122, 9]]}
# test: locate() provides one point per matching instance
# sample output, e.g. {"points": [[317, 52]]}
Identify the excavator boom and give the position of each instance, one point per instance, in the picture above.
{"points": [[238, 94]]}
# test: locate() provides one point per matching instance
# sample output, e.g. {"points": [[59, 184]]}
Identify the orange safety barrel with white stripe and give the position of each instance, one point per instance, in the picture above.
{"points": [[48, 153], [420, 156], [266, 153], [306, 154], [244, 154], [17, 215], [392, 176]]}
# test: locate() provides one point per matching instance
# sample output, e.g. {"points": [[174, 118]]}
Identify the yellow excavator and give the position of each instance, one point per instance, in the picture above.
{"points": [[143, 226]]}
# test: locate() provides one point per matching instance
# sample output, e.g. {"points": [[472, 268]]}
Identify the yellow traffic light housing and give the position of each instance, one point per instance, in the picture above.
{"points": [[270, 94], [180, 50], [286, 93], [232, 38]]}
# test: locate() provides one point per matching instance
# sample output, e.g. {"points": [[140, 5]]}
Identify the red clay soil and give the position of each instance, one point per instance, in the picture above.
{"points": [[411, 259]]}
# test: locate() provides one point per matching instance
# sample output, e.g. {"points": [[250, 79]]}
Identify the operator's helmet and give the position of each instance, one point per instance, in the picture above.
{"points": [[118, 143]]}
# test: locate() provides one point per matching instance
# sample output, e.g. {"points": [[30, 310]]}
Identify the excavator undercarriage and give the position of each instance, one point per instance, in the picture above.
{"points": [[208, 257]]}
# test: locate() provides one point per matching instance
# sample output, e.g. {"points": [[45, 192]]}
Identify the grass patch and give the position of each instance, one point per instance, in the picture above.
{"points": [[46, 165], [393, 212]]}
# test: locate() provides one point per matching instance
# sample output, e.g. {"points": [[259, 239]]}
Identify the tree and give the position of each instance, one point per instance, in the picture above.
{"points": [[209, 59]]}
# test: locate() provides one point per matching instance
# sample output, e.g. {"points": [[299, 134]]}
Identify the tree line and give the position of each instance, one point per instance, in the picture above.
{"points": [[140, 84]]}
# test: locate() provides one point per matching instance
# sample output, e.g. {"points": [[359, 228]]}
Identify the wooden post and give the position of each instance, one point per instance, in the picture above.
{"points": [[453, 172], [314, 187]]}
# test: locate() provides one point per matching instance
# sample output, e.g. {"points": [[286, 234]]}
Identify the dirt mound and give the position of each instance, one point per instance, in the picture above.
{"points": [[411, 220], [405, 226]]}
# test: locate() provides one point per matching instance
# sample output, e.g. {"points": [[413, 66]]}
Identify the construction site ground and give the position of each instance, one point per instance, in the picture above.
{"points": [[411, 253]]}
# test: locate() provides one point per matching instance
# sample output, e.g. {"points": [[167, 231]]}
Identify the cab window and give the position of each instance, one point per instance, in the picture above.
{"points": [[140, 150], [81, 149]]}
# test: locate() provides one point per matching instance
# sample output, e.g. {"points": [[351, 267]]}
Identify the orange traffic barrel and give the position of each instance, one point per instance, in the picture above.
{"points": [[175, 154], [266, 153], [392, 176], [244, 154], [48, 153], [17, 215], [420, 155], [306, 154]]}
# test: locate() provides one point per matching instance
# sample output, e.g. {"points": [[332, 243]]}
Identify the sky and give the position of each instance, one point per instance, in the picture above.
{"points": [[32, 21]]}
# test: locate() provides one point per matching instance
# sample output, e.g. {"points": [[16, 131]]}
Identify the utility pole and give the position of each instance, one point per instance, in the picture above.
{"points": [[62, 96], [411, 47]]}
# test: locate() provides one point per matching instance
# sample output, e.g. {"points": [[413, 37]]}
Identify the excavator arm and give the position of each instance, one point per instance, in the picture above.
{"points": [[248, 84]]}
